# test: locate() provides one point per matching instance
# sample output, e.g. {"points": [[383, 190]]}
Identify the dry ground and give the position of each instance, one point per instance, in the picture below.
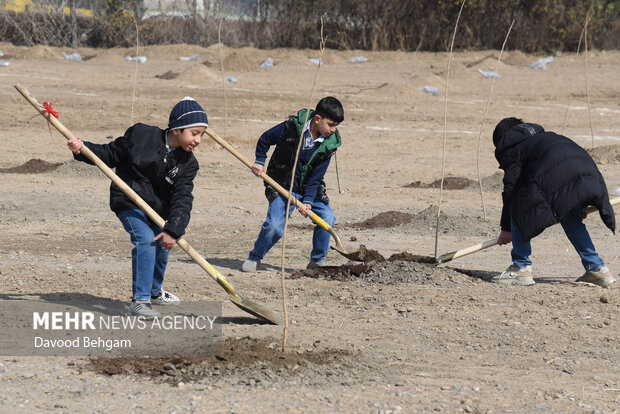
{"points": [[402, 337]]}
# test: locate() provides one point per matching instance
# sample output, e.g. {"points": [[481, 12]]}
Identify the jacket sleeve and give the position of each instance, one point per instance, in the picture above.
{"points": [[270, 137], [512, 173], [111, 154], [181, 200], [313, 181]]}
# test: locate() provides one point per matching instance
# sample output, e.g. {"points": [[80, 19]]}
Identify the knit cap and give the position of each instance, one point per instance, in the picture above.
{"points": [[187, 113]]}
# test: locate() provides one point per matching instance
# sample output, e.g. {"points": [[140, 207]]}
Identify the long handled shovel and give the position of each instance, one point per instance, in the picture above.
{"points": [[318, 220], [444, 258], [243, 303]]}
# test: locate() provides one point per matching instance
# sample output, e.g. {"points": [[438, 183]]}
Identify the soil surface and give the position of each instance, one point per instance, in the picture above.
{"points": [[393, 333]]}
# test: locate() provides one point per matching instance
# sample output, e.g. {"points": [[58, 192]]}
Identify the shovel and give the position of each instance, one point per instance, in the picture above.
{"points": [[243, 303], [444, 258], [318, 220]]}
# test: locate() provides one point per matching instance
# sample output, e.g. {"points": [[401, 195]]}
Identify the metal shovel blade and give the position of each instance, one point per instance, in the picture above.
{"points": [[255, 309]]}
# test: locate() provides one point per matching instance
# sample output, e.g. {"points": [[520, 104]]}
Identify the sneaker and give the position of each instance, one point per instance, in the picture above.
{"points": [[314, 264], [515, 276], [165, 298], [143, 309], [249, 265], [600, 277]]}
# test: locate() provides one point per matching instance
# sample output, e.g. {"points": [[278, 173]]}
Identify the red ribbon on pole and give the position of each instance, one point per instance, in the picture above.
{"points": [[50, 112]]}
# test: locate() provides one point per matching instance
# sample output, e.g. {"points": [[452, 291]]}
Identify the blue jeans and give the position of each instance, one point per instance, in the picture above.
{"points": [[148, 257], [273, 229], [576, 232]]}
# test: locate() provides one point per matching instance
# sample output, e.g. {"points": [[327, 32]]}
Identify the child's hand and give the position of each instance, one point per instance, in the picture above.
{"points": [[75, 145], [504, 237], [303, 208], [167, 241], [258, 169]]}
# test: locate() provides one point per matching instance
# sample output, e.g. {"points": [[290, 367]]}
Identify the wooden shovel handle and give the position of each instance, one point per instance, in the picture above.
{"points": [[129, 192]]}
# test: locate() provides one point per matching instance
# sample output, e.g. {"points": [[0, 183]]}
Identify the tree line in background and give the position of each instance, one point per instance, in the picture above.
{"points": [[422, 25]]}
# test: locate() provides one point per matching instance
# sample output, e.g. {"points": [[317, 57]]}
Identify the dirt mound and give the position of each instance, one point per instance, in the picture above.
{"points": [[449, 183], [168, 75], [199, 74], [172, 52], [400, 268], [393, 272], [490, 183], [245, 59], [384, 220], [606, 154], [245, 361], [32, 166], [38, 52], [517, 58], [78, 169], [426, 220], [115, 54], [365, 255], [459, 71], [429, 79]]}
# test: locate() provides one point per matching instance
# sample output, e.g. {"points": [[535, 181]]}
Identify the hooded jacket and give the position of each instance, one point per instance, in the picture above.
{"points": [[163, 180], [546, 176], [312, 163]]}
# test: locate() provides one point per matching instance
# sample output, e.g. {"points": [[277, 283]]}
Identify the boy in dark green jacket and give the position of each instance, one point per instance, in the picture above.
{"points": [[320, 139]]}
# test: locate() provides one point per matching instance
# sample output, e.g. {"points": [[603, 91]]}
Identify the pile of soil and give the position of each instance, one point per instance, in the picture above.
{"points": [[400, 268], [384, 220], [168, 75], [199, 74], [490, 183], [78, 169], [244, 361], [32, 166], [605, 154], [449, 183], [427, 219]]}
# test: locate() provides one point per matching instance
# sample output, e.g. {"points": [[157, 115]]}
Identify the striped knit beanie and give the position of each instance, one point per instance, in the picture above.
{"points": [[187, 113]]}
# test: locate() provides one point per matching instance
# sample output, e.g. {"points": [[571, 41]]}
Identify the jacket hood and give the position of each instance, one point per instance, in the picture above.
{"points": [[515, 136]]}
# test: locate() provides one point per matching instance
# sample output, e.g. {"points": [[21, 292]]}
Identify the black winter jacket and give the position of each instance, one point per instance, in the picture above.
{"points": [[546, 176], [165, 182]]}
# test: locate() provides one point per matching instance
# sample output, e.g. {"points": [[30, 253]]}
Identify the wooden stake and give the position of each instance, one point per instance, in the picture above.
{"points": [[290, 191], [572, 81], [135, 76], [219, 41], [486, 112], [585, 43], [445, 130]]}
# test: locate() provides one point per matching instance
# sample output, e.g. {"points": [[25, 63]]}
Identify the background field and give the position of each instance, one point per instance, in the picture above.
{"points": [[404, 337]]}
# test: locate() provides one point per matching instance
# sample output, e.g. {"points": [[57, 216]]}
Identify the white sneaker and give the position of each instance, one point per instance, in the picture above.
{"points": [[165, 298], [143, 309], [249, 266], [601, 277], [313, 264], [515, 276]]}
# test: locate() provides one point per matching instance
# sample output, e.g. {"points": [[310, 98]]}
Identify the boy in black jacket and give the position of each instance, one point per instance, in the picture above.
{"points": [[548, 178], [158, 165], [320, 139]]}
